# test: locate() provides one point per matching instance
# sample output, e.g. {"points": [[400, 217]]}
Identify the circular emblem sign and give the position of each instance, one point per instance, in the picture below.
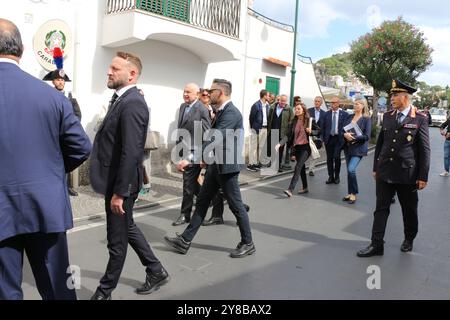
{"points": [[52, 34]]}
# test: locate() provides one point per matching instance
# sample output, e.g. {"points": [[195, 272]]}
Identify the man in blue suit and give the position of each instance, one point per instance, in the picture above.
{"points": [[258, 118], [225, 164], [41, 140], [333, 137], [318, 115]]}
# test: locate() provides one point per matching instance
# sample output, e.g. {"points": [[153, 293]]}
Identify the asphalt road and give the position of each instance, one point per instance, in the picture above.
{"points": [[306, 247]]}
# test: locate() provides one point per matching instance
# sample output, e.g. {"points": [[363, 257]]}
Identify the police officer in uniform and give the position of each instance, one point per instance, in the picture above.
{"points": [[401, 165], [59, 78]]}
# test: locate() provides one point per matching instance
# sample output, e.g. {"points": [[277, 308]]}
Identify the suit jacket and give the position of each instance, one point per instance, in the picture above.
{"points": [[226, 141], [286, 117], [312, 114], [256, 117], [198, 113], [118, 152], [402, 154], [360, 146], [40, 139], [327, 122]]}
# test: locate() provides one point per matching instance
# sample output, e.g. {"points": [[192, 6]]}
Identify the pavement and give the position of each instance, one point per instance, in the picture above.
{"points": [[305, 247], [165, 188]]}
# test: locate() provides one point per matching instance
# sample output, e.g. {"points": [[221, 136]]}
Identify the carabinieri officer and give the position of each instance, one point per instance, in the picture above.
{"points": [[401, 165]]}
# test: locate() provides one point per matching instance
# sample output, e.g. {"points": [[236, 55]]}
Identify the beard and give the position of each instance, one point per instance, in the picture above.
{"points": [[115, 84]]}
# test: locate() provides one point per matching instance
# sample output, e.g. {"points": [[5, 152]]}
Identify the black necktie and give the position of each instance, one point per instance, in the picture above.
{"points": [[113, 100]]}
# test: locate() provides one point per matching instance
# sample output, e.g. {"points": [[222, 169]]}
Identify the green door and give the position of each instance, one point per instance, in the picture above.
{"points": [[273, 85]]}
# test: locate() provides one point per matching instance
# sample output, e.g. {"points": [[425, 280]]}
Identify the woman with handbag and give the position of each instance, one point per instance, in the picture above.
{"points": [[298, 138], [356, 146]]}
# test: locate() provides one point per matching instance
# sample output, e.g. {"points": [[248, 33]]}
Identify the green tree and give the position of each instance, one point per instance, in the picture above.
{"points": [[395, 50], [336, 65]]}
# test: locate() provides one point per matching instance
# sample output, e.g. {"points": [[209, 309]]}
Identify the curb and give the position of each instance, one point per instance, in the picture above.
{"points": [[159, 203]]}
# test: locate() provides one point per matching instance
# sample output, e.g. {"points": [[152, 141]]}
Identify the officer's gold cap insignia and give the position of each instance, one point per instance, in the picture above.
{"points": [[409, 138]]}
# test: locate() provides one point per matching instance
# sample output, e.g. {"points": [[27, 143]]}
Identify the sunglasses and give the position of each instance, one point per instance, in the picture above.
{"points": [[210, 91], [205, 95]]}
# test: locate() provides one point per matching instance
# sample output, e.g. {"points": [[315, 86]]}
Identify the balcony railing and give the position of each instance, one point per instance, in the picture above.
{"points": [[214, 15]]}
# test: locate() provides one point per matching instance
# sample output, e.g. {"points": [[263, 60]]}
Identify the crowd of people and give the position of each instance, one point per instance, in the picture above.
{"points": [[56, 143]]}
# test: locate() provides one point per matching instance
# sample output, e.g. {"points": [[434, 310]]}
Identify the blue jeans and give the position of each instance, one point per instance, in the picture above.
{"points": [[352, 164], [447, 155]]}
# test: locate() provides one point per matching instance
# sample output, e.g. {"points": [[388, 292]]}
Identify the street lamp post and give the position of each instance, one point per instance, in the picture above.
{"points": [[294, 59]]}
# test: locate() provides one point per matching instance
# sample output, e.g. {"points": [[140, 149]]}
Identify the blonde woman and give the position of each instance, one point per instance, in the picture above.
{"points": [[356, 145]]}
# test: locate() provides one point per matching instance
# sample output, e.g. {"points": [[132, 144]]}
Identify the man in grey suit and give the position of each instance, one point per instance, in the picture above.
{"points": [[193, 114], [225, 163]]}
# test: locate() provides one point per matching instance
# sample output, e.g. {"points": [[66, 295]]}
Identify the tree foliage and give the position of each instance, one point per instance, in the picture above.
{"points": [[337, 64], [395, 50]]}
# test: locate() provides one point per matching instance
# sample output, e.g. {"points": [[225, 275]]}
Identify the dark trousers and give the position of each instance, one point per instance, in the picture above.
{"points": [[232, 192], [190, 188], [49, 260], [301, 155], [333, 150], [408, 198], [121, 231], [218, 206]]}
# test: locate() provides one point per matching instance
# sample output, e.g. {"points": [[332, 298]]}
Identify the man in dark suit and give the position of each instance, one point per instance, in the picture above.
{"points": [[318, 114], [333, 138], [224, 156], [117, 173], [401, 165], [258, 118], [59, 80], [193, 115], [41, 140]]}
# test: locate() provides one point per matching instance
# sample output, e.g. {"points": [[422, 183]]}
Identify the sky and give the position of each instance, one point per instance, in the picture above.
{"points": [[327, 27]]}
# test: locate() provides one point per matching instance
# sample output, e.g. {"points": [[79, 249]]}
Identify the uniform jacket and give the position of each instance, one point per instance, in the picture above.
{"points": [[40, 140], [117, 155], [402, 154]]}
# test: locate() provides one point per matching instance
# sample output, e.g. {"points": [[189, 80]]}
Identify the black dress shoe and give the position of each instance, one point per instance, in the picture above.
{"points": [[370, 251], [178, 243], [180, 221], [330, 181], [153, 282], [243, 250], [213, 221], [247, 208], [72, 192], [337, 181], [311, 173], [406, 246], [100, 296]]}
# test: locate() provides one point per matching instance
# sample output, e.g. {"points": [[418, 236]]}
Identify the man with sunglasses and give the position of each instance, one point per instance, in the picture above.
{"points": [[225, 163]]}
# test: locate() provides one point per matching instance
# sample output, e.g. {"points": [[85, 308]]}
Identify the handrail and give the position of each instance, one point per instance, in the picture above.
{"points": [[273, 23], [215, 15]]}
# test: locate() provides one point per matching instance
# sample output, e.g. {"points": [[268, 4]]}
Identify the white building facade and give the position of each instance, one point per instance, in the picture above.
{"points": [[178, 41]]}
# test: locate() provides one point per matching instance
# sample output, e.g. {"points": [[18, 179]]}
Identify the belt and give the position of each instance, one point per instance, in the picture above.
{"points": [[264, 127]]}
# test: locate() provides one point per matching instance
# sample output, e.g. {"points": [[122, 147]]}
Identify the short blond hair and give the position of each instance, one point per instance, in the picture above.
{"points": [[131, 58]]}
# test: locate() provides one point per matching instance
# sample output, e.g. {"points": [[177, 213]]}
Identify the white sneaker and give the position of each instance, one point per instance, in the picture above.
{"points": [[445, 174]]}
